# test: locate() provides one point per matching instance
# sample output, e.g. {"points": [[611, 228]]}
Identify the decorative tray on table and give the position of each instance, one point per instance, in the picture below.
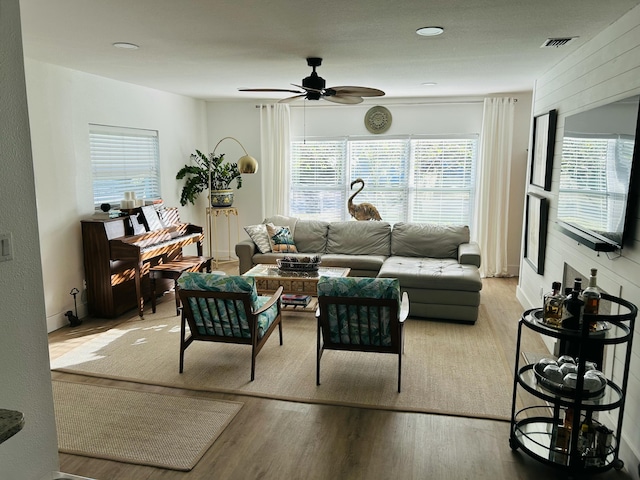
{"points": [[295, 264]]}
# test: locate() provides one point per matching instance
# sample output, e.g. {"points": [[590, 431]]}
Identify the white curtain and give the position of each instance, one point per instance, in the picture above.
{"points": [[492, 202], [274, 159]]}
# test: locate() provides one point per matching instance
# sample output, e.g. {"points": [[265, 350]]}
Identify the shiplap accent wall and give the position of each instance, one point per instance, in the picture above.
{"points": [[603, 70]]}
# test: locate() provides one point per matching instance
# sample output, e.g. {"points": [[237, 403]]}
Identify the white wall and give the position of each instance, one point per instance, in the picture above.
{"points": [[62, 104], [25, 380], [601, 71]]}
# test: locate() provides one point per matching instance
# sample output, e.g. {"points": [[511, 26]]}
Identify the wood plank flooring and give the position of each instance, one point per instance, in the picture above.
{"points": [[271, 439]]}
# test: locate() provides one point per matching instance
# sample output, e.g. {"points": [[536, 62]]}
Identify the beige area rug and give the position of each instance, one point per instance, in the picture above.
{"points": [[160, 430], [448, 368]]}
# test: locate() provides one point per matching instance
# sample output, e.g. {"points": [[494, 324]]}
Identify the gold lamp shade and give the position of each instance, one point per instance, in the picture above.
{"points": [[247, 164]]}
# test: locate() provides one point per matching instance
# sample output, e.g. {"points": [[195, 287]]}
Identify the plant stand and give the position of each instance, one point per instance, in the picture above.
{"points": [[212, 224]]}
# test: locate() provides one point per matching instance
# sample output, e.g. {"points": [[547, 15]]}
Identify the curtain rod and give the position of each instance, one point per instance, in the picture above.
{"points": [[454, 102]]}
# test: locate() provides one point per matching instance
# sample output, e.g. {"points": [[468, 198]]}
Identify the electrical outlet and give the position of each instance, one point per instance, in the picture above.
{"points": [[541, 293]]}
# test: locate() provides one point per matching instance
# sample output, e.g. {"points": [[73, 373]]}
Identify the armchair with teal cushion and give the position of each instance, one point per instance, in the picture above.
{"points": [[361, 314], [227, 308]]}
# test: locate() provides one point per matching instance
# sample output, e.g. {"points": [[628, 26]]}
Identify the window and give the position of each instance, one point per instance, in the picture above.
{"points": [[124, 160], [416, 179]]}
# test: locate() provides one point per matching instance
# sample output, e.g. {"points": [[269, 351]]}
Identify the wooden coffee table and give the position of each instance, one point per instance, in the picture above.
{"points": [[269, 278]]}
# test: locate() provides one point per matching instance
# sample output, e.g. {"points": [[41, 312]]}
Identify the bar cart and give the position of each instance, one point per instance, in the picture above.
{"points": [[549, 423]]}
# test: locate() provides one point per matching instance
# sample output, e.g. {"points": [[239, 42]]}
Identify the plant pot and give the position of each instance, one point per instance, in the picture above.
{"points": [[222, 198]]}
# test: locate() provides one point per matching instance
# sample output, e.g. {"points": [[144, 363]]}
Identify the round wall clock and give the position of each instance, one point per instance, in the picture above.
{"points": [[377, 119]]}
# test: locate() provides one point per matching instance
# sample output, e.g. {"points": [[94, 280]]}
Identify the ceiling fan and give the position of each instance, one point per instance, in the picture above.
{"points": [[313, 88]]}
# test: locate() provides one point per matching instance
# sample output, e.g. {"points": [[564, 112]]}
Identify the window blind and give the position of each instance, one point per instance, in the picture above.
{"points": [[317, 179], [122, 160], [417, 179]]}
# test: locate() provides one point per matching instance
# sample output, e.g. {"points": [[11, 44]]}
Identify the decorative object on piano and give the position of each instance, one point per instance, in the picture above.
{"points": [[105, 207], [209, 172], [130, 201]]}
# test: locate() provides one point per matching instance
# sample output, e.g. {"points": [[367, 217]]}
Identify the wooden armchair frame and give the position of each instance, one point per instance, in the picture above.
{"points": [[233, 313], [398, 315]]}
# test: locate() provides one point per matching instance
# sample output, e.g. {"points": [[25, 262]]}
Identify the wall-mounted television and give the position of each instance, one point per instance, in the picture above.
{"points": [[597, 196]]}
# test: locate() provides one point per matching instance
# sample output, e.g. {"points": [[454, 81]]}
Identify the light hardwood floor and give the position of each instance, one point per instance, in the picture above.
{"points": [[271, 439]]}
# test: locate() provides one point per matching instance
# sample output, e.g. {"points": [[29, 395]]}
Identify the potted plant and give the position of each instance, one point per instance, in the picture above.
{"points": [[197, 179]]}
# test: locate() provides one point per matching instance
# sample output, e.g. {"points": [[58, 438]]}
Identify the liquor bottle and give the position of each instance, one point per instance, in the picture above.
{"points": [[573, 307], [591, 298], [561, 439], [553, 306]]}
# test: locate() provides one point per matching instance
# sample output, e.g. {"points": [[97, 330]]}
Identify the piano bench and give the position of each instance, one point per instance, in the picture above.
{"points": [[173, 270]]}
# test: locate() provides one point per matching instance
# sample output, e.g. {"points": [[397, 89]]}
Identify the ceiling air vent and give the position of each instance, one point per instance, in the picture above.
{"points": [[556, 42]]}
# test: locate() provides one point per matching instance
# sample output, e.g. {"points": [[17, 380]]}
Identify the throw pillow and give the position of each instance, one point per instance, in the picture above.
{"points": [[258, 233], [281, 239]]}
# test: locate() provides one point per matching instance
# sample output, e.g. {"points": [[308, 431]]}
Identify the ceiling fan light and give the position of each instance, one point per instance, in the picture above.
{"points": [[430, 31], [247, 164]]}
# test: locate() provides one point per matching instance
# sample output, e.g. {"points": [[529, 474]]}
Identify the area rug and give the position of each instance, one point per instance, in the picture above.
{"points": [[448, 368], [168, 431]]}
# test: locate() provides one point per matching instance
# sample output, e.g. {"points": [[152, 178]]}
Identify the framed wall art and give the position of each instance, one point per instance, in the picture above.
{"points": [[535, 241], [544, 137]]}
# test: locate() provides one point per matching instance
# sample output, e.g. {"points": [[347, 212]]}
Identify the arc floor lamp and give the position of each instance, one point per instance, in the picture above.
{"points": [[246, 164]]}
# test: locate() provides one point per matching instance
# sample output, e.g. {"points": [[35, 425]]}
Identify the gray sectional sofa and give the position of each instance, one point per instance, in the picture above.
{"points": [[436, 265]]}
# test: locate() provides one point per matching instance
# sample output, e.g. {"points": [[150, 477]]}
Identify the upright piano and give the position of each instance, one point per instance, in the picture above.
{"points": [[117, 262]]}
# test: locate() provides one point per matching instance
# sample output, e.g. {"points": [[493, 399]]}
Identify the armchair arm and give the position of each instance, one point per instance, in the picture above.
{"points": [[469, 254], [274, 298], [404, 307], [245, 251]]}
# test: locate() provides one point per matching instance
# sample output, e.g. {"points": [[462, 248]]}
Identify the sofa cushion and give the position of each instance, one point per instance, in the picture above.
{"points": [[432, 273], [311, 236], [284, 221], [371, 263], [258, 233], [428, 240], [359, 238], [280, 239]]}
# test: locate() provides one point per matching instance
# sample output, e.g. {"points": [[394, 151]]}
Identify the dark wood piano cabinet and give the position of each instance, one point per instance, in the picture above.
{"points": [[117, 263]]}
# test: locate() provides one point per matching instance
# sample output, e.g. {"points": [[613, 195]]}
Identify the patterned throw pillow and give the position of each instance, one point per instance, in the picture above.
{"points": [[258, 233], [280, 239]]}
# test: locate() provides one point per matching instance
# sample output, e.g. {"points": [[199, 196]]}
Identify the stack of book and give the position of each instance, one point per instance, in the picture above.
{"points": [[294, 299]]}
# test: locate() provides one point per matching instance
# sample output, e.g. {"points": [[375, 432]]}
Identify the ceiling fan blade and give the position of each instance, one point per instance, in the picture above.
{"points": [[291, 99], [358, 91], [269, 90], [348, 99], [308, 89]]}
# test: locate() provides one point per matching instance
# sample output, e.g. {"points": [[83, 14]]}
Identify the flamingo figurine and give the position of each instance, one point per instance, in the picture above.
{"points": [[362, 211]]}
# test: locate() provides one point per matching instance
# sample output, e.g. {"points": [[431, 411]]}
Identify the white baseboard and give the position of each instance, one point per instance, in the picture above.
{"points": [[65, 476]]}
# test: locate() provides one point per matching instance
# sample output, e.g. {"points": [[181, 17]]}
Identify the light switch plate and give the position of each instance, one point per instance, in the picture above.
{"points": [[6, 247]]}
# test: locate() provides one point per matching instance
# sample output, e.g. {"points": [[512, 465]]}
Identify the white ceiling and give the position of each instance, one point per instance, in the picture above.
{"points": [[208, 49]]}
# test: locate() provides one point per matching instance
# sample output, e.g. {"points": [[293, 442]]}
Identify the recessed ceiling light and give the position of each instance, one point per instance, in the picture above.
{"points": [[429, 84], [430, 31], [126, 45]]}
